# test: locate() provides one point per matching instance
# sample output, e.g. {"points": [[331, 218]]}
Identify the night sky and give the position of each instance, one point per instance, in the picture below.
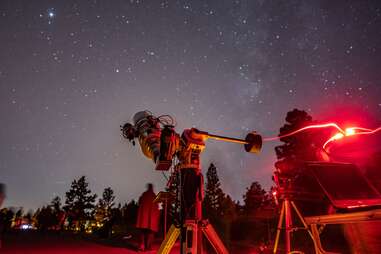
{"points": [[71, 72]]}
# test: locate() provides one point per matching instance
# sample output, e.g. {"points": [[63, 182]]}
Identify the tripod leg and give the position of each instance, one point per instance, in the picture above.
{"points": [[214, 240], [288, 219], [169, 240], [190, 243], [315, 237], [279, 228]]}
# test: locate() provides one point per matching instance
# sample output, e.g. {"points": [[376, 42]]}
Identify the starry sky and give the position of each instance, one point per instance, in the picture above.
{"points": [[72, 72]]}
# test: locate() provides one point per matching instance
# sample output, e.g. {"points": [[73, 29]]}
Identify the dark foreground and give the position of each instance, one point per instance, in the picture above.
{"points": [[36, 243]]}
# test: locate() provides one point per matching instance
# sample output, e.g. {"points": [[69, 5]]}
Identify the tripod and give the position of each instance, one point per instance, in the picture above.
{"points": [[292, 186], [286, 216], [193, 241], [192, 226], [288, 194]]}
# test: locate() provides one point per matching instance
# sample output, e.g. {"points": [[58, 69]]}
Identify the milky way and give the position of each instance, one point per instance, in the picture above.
{"points": [[71, 72]]}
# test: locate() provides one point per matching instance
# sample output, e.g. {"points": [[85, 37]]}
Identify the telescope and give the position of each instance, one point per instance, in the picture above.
{"points": [[159, 141]]}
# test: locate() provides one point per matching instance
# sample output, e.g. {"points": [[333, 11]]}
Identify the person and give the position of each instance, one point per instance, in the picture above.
{"points": [[148, 218]]}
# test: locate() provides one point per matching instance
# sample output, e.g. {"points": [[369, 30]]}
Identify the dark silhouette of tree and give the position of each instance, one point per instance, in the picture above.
{"points": [[57, 213], [302, 146], [7, 216], [254, 197], [18, 217], [105, 204], [219, 208], [214, 196], [130, 212], [28, 217], [229, 214], [56, 204], [79, 203], [107, 200], [45, 219], [106, 214], [229, 208]]}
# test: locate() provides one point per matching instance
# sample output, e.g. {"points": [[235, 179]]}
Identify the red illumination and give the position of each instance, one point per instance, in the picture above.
{"points": [[350, 131], [337, 136]]}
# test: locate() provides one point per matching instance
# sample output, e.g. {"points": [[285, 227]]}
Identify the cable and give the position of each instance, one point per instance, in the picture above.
{"points": [[315, 126], [350, 131]]}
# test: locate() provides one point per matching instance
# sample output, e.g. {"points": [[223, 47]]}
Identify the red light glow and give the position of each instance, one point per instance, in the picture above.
{"points": [[351, 131], [342, 133]]}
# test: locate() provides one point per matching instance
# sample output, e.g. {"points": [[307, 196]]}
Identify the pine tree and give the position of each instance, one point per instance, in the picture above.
{"points": [[130, 212], [56, 204], [229, 209], [79, 201], [302, 146], [105, 204], [214, 196], [254, 197], [57, 213]]}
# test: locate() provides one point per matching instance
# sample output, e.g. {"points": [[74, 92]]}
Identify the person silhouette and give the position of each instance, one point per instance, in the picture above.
{"points": [[148, 218]]}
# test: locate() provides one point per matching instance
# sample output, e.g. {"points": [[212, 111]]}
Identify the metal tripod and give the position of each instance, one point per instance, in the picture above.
{"points": [[192, 227], [193, 230], [286, 215]]}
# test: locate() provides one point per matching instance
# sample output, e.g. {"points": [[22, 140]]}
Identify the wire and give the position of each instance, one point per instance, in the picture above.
{"points": [[350, 131], [315, 126]]}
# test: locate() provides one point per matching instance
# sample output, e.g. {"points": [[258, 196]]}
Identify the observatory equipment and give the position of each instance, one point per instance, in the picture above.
{"points": [[160, 143]]}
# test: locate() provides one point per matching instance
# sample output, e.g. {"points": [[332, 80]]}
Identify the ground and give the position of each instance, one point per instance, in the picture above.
{"points": [[37, 243]]}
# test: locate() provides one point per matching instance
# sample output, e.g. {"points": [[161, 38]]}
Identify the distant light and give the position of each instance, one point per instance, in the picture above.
{"points": [[51, 14], [26, 226]]}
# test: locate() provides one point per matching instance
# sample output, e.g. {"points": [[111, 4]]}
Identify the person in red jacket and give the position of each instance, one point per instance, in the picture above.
{"points": [[148, 217]]}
